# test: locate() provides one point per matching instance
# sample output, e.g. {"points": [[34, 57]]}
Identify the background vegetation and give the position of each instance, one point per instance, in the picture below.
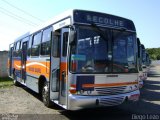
{"points": [[154, 53]]}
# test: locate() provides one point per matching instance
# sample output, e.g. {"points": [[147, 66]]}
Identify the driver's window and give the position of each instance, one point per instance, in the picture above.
{"points": [[65, 41], [56, 46]]}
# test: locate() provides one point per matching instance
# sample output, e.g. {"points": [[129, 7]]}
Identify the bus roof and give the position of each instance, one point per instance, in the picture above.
{"points": [[143, 47], [22, 36], [87, 17], [138, 41], [102, 19], [55, 19]]}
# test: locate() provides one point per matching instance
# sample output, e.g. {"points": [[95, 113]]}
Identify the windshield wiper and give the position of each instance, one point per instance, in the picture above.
{"points": [[100, 32]]}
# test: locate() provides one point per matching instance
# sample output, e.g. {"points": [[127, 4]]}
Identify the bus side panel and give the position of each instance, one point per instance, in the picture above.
{"points": [[32, 82], [35, 69]]}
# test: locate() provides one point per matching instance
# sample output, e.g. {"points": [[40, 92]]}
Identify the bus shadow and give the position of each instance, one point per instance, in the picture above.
{"points": [[151, 91], [125, 111], [111, 113]]}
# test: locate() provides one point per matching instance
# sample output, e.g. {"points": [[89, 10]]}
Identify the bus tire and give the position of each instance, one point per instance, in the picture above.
{"points": [[45, 95], [15, 82]]}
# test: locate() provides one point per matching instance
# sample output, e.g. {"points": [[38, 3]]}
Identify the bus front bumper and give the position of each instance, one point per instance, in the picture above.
{"points": [[77, 102]]}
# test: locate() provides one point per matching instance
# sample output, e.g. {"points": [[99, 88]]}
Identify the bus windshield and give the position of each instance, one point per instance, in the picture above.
{"points": [[124, 59], [111, 51], [144, 56]]}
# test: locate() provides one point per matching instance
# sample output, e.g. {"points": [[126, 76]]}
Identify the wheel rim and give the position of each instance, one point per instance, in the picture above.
{"points": [[45, 93], [14, 81]]}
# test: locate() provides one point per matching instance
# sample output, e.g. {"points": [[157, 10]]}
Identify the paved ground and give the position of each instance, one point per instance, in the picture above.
{"points": [[22, 103]]}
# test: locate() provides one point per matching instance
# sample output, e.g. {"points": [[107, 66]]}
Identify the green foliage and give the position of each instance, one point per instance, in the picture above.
{"points": [[6, 82], [158, 57], [154, 53]]}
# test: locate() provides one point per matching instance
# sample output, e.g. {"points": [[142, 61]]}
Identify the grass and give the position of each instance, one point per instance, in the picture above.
{"points": [[6, 82]]}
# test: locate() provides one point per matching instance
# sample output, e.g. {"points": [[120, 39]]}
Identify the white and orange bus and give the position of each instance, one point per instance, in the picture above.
{"points": [[79, 59], [141, 77], [144, 62]]}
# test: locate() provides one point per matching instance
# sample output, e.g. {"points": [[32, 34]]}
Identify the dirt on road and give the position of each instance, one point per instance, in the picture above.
{"points": [[20, 100], [17, 103]]}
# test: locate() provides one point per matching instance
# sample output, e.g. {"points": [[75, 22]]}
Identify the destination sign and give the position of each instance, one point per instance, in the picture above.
{"points": [[105, 20], [89, 17]]}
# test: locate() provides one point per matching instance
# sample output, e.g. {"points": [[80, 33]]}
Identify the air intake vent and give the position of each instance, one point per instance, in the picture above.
{"points": [[111, 101], [110, 90]]}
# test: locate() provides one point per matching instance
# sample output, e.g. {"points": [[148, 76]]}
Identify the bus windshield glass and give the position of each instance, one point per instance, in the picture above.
{"points": [[144, 56], [124, 59], [103, 51]]}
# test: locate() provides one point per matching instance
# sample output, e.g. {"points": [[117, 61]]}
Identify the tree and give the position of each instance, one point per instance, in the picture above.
{"points": [[154, 53], [158, 57]]}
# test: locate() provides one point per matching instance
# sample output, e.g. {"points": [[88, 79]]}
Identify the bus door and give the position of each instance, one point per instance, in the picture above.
{"points": [[24, 59], [63, 66], [10, 61], [55, 66], [59, 66]]}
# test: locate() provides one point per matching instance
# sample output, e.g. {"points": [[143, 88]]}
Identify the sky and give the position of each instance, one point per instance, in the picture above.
{"points": [[19, 16]]}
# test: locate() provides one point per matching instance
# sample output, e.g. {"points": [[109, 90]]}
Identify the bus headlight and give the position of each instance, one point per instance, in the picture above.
{"points": [[72, 90]]}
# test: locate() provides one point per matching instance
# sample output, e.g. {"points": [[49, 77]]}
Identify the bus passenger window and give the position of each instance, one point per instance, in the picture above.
{"points": [[65, 41], [45, 45], [36, 44], [55, 45], [29, 46], [17, 49]]}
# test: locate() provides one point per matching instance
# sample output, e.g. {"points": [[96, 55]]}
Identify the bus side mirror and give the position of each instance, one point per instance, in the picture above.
{"points": [[72, 36]]}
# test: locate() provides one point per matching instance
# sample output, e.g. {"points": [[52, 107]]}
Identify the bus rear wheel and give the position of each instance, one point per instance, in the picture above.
{"points": [[14, 80], [45, 95]]}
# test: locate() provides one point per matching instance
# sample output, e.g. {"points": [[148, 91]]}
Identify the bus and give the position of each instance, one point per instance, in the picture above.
{"points": [[79, 59], [144, 62], [148, 62], [141, 74]]}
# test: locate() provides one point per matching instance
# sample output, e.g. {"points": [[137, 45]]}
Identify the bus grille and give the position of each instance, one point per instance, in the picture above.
{"points": [[111, 101], [110, 90]]}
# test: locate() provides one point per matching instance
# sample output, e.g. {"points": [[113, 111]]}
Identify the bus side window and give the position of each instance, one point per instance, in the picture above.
{"points": [[17, 49], [55, 44], [36, 44], [14, 50], [46, 40], [65, 41], [29, 46]]}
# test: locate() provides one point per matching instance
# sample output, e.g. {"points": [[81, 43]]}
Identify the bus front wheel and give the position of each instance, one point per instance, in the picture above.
{"points": [[45, 95], [15, 80]]}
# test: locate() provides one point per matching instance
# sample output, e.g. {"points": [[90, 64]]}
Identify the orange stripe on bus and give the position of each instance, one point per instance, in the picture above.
{"points": [[8, 63], [63, 68], [108, 85], [17, 64], [38, 68]]}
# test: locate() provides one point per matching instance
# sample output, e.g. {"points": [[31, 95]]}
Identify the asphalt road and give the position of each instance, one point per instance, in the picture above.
{"points": [[22, 103]]}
